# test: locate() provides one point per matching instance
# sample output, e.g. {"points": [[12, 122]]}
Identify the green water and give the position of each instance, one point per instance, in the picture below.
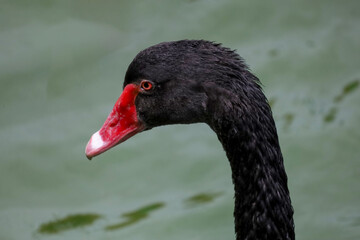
{"points": [[61, 69]]}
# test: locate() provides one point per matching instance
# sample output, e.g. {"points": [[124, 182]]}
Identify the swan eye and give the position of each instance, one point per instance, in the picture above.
{"points": [[146, 85]]}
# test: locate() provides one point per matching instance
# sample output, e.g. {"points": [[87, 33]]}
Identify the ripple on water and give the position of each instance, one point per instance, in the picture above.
{"points": [[202, 198], [69, 222], [289, 118], [331, 115], [272, 101], [135, 216], [347, 89]]}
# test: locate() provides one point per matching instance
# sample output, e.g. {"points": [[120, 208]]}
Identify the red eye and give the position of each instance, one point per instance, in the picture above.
{"points": [[146, 85]]}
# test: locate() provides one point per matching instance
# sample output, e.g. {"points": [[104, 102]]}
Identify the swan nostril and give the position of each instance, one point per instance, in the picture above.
{"points": [[113, 122]]}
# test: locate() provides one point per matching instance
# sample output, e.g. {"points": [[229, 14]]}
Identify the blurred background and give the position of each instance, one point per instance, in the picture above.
{"points": [[62, 65]]}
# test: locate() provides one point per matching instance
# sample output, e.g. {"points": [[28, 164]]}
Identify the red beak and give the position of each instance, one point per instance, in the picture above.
{"points": [[121, 124]]}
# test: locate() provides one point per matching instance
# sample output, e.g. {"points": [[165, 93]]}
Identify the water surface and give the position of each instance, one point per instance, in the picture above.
{"points": [[62, 65]]}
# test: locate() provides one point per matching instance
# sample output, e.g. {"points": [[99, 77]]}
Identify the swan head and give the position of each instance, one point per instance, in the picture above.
{"points": [[171, 83]]}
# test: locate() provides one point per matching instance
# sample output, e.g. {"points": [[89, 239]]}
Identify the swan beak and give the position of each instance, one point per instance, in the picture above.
{"points": [[121, 124]]}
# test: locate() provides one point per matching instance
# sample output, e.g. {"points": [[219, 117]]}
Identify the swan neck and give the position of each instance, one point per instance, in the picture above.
{"points": [[262, 203]]}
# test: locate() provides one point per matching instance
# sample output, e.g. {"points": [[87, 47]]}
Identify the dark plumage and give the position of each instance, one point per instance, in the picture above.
{"points": [[200, 81]]}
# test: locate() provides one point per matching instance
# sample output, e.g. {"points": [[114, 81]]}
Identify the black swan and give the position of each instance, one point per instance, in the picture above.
{"points": [[191, 81]]}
